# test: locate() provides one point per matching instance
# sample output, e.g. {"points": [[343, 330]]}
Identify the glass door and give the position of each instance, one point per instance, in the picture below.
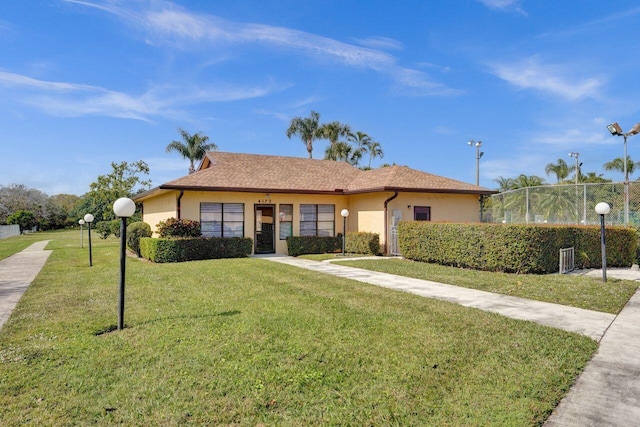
{"points": [[265, 229]]}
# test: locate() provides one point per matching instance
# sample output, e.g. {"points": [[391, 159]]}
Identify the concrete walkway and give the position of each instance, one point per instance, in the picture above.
{"points": [[607, 393], [16, 274]]}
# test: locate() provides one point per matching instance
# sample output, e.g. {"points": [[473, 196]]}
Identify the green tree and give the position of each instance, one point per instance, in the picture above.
{"points": [[123, 181], [523, 181], [617, 164], [505, 184], [560, 169], [333, 131], [367, 145], [192, 147], [25, 219], [593, 178], [308, 129]]}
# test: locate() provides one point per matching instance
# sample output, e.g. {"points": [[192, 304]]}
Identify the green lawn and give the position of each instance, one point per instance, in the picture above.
{"points": [[12, 245], [251, 342], [576, 291]]}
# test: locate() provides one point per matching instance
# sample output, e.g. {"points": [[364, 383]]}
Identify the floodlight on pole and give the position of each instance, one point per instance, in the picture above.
{"points": [[616, 130], [477, 144], [576, 155]]}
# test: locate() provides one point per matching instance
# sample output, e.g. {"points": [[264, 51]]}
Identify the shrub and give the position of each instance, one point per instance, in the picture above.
{"points": [[300, 245], [136, 231], [179, 228], [513, 248], [179, 250], [25, 219], [106, 228], [102, 229], [363, 243]]}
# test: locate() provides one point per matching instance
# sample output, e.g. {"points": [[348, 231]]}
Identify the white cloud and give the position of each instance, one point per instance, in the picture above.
{"points": [[553, 79], [65, 99], [378, 42], [166, 23], [505, 5]]}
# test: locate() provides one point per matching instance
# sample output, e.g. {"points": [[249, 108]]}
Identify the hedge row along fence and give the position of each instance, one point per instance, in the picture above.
{"points": [[179, 250], [514, 248]]}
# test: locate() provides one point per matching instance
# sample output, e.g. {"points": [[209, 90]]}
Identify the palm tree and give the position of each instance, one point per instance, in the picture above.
{"points": [[617, 164], [523, 181], [192, 147], [333, 131], [593, 177], [505, 184], [308, 129], [342, 151], [560, 169]]}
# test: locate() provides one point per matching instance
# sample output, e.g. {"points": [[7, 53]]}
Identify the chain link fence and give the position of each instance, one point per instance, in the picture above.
{"points": [[565, 204]]}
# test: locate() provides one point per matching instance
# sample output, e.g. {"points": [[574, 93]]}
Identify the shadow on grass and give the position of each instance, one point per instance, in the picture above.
{"points": [[114, 327]]}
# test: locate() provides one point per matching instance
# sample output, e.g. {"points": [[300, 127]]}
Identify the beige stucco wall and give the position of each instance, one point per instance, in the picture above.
{"points": [[190, 208], [160, 208], [366, 211]]}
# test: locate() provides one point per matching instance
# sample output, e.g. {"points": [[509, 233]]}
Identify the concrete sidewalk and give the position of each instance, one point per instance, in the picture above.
{"points": [[607, 393], [16, 274]]}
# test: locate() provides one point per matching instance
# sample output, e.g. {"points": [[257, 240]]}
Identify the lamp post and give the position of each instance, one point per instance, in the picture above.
{"points": [[88, 218], [576, 155], [616, 130], [345, 214], [602, 209], [123, 208], [479, 154], [81, 222]]}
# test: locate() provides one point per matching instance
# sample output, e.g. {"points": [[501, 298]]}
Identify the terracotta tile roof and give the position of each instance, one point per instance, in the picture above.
{"points": [[223, 171]]}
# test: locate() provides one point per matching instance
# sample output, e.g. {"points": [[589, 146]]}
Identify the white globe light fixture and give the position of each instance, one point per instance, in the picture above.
{"points": [[344, 213], [88, 218], [603, 209], [123, 208]]}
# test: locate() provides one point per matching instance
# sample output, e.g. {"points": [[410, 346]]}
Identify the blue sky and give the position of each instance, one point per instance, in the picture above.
{"points": [[87, 82]]}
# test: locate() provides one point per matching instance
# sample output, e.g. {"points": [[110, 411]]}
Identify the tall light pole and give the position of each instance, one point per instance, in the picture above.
{"points": [[576, 155], [123, 208], [88, 218], [479, 154], [602, 209], [616, 130]]}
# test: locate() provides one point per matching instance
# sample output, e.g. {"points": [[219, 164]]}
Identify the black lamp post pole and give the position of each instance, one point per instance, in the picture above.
{"points": [[90, 257], [123, 259], [604, 249]]}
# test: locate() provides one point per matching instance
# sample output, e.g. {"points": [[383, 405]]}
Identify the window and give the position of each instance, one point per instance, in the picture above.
{"points": [[222, 219], [286, 221], [317, 220], [422, 213]]}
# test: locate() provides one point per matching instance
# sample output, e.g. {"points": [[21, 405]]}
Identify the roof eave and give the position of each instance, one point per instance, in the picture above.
{"points": [[421, 190]]}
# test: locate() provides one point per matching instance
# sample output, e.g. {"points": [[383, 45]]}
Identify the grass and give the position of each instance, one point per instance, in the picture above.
{"points": [[12, 245], [251, 342], [576, 291]]}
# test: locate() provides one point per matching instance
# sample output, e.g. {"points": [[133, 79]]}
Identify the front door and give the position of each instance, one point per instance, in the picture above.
{"points": [[265, 238]]}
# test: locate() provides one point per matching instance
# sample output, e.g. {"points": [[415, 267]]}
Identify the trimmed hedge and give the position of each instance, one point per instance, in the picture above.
{"points": [[136, 231], [179, 250], [363, 243], [513, 248], [300, 245]]}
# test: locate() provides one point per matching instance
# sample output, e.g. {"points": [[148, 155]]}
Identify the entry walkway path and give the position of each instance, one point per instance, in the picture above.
{"points": [[585, 322], [16, 274], [607, 393]]}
